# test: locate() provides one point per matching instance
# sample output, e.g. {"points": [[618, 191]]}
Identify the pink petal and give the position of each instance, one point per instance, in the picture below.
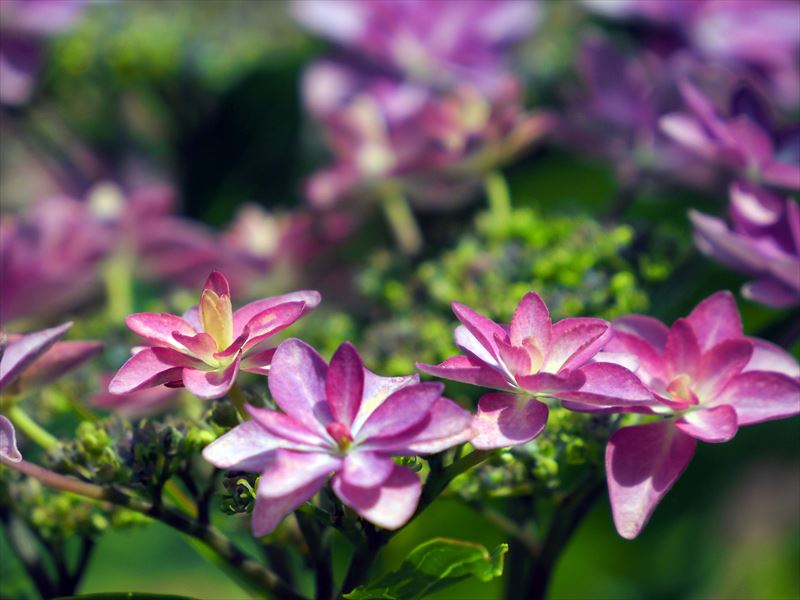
{"points": [[507, 420], [284, 426], [609, 385], [150, 367], [376, 390], [713, 425], [685, 130], [467, 369], [157, 328], [782, 174], [574, 342], [771, 357], [401, 411], [344, 384], [544, 383], [515, 358], [201, 345], [8, 441], [683, 350], [235, 346], [471, 346], [246, 447], [480, 327], [446, 425], [273, 320], [531, 320], [192, 316], [366, 469], [759, 396], [651, 330], [242, 316], [23, 351], [715, 319], [217, 283], [211, 384], [297, 382], [289, 481], [719, 365], [259, 362], [650, 361], [642, 464], [390, 505], [61, 358]]}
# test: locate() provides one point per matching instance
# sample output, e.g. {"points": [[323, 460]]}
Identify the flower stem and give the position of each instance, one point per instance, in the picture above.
{"points": [[38, 435], [401, 221], [255, 576], [119, 286], [237, 397], [498, 195]]}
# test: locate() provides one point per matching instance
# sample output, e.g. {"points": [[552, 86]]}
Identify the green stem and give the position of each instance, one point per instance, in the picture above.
{"points": [[401, 221], [256, 576], [238, 398], [498, 195], [37, 434], [119, 286]]}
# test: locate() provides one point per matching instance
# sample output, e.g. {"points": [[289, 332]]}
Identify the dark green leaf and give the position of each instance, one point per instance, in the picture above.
{"points": [[125, 596]]}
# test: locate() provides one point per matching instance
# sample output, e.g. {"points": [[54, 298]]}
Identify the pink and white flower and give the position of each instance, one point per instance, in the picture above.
{"points": [[204, 349], [341, 420], [709, 380], [533, 357]]}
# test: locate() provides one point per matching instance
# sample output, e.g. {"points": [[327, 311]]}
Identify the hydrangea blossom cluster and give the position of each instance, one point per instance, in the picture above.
{"points": [[432, 99]]}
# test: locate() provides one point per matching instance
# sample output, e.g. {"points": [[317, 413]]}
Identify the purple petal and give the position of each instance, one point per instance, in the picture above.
{"points": [[642, 464], [366, 469], [192, 316], [715, 319], [401, 411], [771, 357], [507, 420], [22, 352], [574, 342], [683, 350], [61, 358], [651, 330], [218, 284], [515, 358], [483, 329], [650, 362], [242, 316], [390, 505], [211, 384], [246, 447], [719, 365], [376, 390], [544, 383], [150, 367], [711, 425], [609, 385], [259, 362], [297, 382], [472, 346], [782, 174], [157, 328], [8, 441], [445, 426], [685, 130], [344, 384], [759, 396], [531, 320], [289, 481], [769, 291], [467, 369], [273, 320], [284, 426]]}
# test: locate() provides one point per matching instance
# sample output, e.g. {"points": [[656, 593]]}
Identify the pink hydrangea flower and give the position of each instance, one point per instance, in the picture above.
{"points": [[8, 441], [709, 380], [204, 349], [533, 357], [341, 420], [746, 142], [38, 358], [764, 241]]}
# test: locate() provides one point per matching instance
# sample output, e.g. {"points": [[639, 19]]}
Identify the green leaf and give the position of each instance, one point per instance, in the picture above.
{"points": [[434, 565], [124, 596]]}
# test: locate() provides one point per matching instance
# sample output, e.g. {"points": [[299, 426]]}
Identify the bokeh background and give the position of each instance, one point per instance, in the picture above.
{"points": [[206, 99]]}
